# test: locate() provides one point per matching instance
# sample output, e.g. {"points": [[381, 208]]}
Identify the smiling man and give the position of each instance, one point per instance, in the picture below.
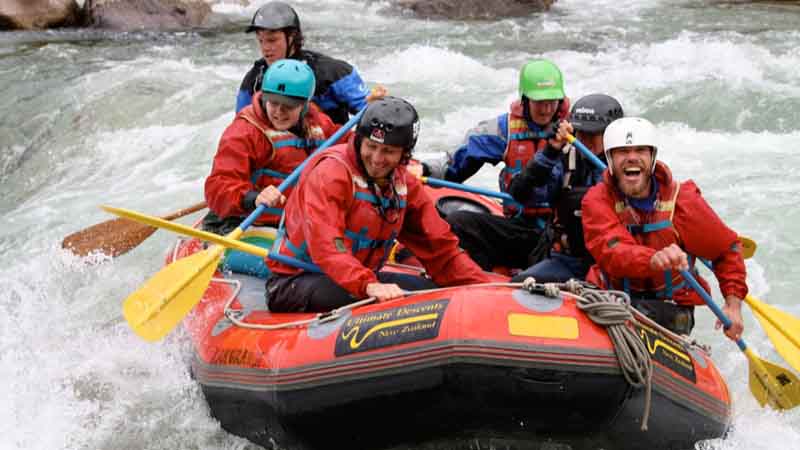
{"points": [[643, 227], [350, 205]]}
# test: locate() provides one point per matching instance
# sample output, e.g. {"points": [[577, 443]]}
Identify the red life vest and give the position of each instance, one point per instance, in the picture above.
{"points": [[655, 230], [522, 144], [288, 152], [368, 235]]}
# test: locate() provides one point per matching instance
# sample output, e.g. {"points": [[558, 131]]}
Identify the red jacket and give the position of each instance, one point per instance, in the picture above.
{"points": [[333, 222], [695, 228], [247, 160]]}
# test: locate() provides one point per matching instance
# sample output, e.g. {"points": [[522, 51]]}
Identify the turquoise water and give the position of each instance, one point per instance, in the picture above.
{"points": [[133, 120]]}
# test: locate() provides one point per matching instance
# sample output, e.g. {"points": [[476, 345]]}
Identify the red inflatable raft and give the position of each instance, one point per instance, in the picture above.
{"points": [[477, 365]]}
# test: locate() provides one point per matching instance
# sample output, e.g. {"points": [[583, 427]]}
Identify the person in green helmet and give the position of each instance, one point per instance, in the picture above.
{"points": [[516, 138], [266, 141]]}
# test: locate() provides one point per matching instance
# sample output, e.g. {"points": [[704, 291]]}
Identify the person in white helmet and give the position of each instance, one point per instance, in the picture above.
{"points": [[643, 227]]}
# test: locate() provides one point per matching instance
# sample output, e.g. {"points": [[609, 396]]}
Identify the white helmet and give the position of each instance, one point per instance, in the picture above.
{"points": [[629, 132]]}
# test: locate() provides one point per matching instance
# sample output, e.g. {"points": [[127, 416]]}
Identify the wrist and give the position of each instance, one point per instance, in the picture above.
{"points": [[733, 301], [249, 200]]}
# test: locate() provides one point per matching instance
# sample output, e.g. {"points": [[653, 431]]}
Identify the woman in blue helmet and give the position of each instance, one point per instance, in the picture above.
{"points": [[265, 142], [340, 91]]}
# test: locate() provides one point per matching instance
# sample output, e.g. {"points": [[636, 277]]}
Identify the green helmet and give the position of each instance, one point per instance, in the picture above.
{"points": [[541, 80], [289, 78]]}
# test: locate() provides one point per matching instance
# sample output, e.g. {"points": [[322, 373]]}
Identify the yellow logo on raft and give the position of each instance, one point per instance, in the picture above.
{"points": [[391, 327]]}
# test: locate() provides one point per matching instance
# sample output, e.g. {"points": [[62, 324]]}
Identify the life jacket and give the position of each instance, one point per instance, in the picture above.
{"points": [[579, 176], [655, 230], [522, 143], [288, 152], [367, 235]]}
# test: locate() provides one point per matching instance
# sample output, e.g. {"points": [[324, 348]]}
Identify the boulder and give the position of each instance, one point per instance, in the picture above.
{"points": [[474, 9], [128, 15], [39, 14]]}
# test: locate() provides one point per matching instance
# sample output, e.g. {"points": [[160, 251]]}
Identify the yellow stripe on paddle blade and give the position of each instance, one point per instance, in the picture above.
{"points": [[226, 241], [781, 328], [772, 384], [158, 306]]}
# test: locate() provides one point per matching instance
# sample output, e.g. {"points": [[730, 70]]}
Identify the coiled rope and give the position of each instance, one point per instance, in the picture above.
{"points": [[612, 310]]}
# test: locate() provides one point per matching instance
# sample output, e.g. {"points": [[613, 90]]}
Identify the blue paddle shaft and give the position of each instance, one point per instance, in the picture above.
{"points": [[503, 195], [588, 154], [463, 187], [711, 304], [292, 178]]}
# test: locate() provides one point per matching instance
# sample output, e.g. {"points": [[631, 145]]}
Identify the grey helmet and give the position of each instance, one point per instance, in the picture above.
{"points": [[274, 16], [594, 112]]}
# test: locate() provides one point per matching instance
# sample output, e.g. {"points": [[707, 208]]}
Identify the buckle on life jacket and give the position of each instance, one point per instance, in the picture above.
{"points": [[266, 172], [361, 241], [649, 227]]}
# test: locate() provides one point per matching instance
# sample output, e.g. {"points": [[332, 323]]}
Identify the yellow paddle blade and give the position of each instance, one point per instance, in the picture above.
{"points": [[781, 328], [157, 307], [772, 384], [748, 247], [187, 231]]}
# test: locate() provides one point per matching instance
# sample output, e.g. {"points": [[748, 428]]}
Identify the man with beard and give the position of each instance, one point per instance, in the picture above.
{"points": [[643, 227]]}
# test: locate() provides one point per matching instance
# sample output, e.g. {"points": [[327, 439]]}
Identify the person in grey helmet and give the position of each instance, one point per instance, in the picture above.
{"points": [[339, 92], [568, 257]]}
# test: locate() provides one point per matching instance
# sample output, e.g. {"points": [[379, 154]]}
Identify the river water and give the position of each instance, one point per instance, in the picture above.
{"points": [[133, 119]]}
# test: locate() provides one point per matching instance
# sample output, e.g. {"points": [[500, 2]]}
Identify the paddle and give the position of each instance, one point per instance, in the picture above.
{"points": [[116, 236], [586, 152], [436, 182], [782, 329], [769, 383], [187, 230], [165, 299]]}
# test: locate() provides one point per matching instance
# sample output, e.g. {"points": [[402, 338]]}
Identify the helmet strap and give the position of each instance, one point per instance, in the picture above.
{"points": [[263, 102], [526, 109], [372, 185], [294, 42]]}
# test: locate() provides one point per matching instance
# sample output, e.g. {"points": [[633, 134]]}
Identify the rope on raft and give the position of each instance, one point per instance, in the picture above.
{"points": [[611, 309]]}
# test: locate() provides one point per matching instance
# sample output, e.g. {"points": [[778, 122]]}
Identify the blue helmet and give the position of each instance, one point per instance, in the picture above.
{"points": [[289, 81]]}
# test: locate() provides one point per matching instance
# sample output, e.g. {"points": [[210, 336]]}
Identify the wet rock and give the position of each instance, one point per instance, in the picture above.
{"points": [[38, 14], [126, 15], [474, 9]]}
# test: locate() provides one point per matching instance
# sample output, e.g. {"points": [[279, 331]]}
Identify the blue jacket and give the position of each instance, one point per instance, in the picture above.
{"points": [[340, 91], [486, 143]]}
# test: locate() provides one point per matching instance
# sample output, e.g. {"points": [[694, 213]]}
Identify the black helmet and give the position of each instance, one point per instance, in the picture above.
{"points": [[593, 113], [390, 121], [274, 16]]}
